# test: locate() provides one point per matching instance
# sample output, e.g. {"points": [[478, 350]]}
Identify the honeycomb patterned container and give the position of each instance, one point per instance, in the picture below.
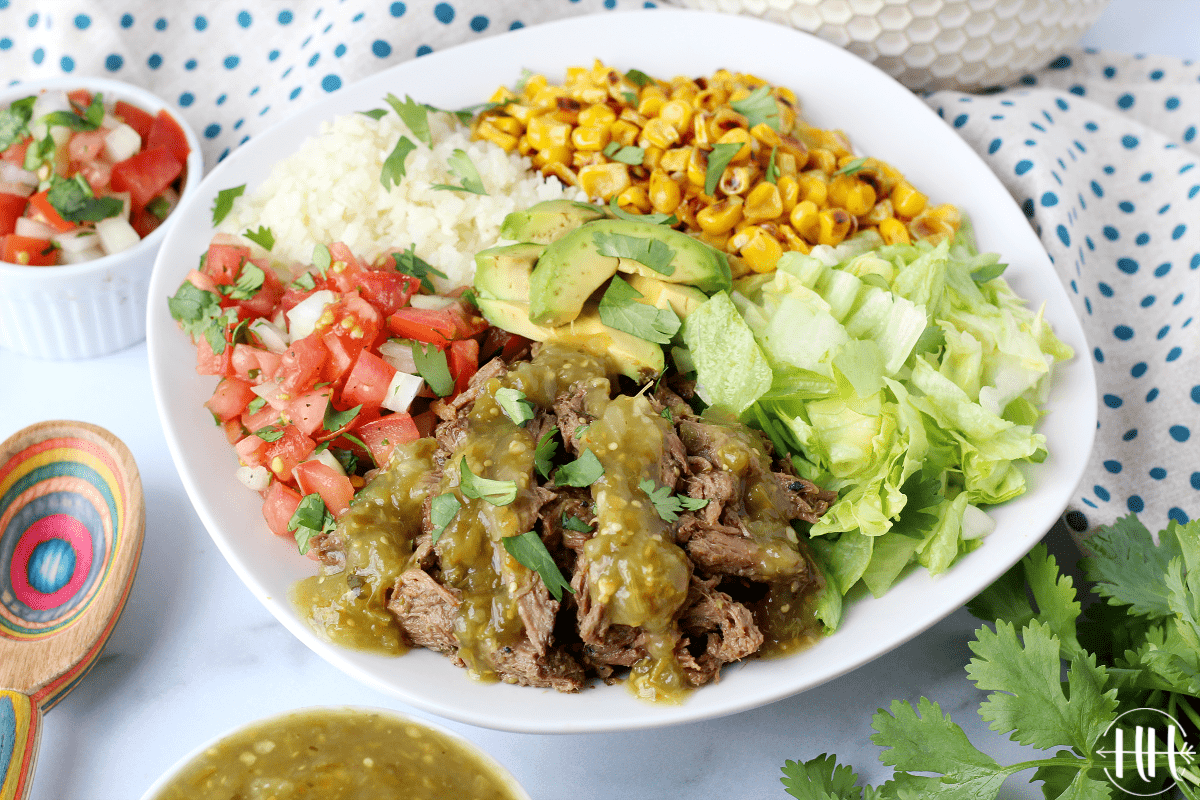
{"points": [[935, 44]]}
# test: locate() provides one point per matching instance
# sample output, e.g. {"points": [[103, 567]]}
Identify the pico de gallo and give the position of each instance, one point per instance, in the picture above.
{"points": [[82, 177], [323, 375]]}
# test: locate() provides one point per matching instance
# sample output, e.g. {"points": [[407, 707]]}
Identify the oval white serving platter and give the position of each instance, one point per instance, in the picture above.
{"points": [[837, 90]]}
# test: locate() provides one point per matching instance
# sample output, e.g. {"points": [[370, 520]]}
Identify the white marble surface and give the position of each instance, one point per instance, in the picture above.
{"points": [[195, 653]]}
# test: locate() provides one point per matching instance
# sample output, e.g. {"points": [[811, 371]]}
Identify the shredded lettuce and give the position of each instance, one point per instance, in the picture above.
{"points": [[908, 378]]}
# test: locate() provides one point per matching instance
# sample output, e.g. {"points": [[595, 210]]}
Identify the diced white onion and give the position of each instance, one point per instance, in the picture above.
{"points": [[302, 319], [330, 460], [61, 134], [47, 102], [976, 523], [19, 189], [272, 393], [12, 173], [116, 235], [430, 302], [272, 337], [121, 143], [80, 256], [398, 353], [256, 478], [401, 391], [76, 241], [33, 228], [112, 121]]}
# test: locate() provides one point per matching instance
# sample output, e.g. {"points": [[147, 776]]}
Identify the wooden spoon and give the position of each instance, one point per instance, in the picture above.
{"points": [[72, 517]]}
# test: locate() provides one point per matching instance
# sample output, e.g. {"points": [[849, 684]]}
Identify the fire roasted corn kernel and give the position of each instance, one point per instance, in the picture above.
{"points": [[787, 187]]}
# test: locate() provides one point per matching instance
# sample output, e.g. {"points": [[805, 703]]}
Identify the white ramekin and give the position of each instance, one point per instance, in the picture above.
{"points": [[99, 306]]}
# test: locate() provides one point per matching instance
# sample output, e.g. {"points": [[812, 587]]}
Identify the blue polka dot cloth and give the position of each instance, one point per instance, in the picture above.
{"points": [[1100, 151], [233, 68]]}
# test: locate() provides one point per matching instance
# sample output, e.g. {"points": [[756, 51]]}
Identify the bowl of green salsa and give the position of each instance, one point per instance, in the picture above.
{"points": [[337, 753]]}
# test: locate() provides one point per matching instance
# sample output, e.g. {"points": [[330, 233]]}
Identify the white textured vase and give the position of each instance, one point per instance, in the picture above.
{"points": [[935, 44]]}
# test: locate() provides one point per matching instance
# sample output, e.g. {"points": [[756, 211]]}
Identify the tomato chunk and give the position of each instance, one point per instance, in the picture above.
{"points": [[279, 505], [230, 398], [368, 382], [301, 364], [287, 451], [382, 435], [42, 210], [463, 362], [436, 326], [141, 121], [12, 206], [334, 488], [27, 250], [146, 174], [165, 133]]}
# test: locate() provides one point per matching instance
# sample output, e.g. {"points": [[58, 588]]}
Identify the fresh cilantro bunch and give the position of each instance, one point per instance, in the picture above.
{"points": [[1137, 648]]}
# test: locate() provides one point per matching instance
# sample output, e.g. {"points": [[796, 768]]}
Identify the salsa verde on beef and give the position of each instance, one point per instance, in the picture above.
{"points": [[677, 555]]}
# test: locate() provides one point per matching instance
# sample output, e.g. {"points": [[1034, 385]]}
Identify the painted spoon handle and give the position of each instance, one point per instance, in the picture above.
{"points": [[20, 732]]}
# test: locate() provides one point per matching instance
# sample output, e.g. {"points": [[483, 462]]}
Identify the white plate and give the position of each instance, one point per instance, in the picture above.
{"points": [[836, 90]]}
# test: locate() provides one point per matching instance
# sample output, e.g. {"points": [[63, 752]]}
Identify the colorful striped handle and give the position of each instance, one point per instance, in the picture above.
{"points": [[20, 731]]}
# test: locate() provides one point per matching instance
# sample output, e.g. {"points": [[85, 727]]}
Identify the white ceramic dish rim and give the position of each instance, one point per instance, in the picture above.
{"points": [[498, 769], [145, 100], [823, 75]]}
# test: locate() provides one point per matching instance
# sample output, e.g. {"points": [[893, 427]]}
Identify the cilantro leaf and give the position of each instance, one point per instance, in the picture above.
{"points": [[335, 420], [39, 152], [72, 198], [772, 174], [852, 166], [408, 263], [758, 107], [583, 471], [414, 115], [919, 515], [498, 493], [224, 202], [442, 510], [575, 524], [196, 310], [718, 160], [655, 219], [433, 367], [620, 309], [1129, 569], [1027, 696], [321, 259], [514, 404], [988, 272], [262, 236], [464, 169], [89, 120], [921, 739], [654, 253], [249, 280], [628, 154], [305, 282], [822, 778], [269, 433], [393, 166], [638, 78], [14, 121], [375, 113], [311, 519], [669, 505], [530, 551], [159, 207], [543, 454]]}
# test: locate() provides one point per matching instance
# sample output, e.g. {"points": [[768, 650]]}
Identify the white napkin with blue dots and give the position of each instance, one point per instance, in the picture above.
{"points": [[1099, 149]]}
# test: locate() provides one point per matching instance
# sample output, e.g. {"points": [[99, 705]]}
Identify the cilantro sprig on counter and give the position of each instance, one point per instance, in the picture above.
{"points": [[1137, 648]]}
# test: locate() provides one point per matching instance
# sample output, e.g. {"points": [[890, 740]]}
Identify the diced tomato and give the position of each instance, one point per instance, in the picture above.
{"points": [[201, 281], [340, 359], [146, 174], [251, 450], [354, 324], [86, 146], [287, 451], [301, 364], [307, 412], [385, 289], [234, 432], [144, 222], [26, 250], [254, 364], [368, 382], [436, 326], [264, 417], [333, 487], [263, 302], [279, 506], [97, 173], [425, 422], [12, 206], [80, 98], [230, 398], [141, 121], [15, 153], [223, 262], [166, 133], [463, 361], [382, 435], [43, 211], [212, 363]]}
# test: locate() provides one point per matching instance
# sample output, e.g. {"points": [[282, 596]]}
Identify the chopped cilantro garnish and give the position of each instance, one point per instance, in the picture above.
{"points": [[626, 155], [335, 420], [249, 280], [410, 264], [72, 198], [262, 236], [758, 107], [543, 454], [14, 121], [718, 160], [224, 202], [321, 259], [852, 166], [305, 282], [498, 493], [638, 78], [654, 219], [575, 524], [464, 169], [269, 433], [583, 471], [442, 510], [669, 505], [311, 519], [619, 308], [375, 113], [199, 314], [514, 404], [772, 174], [653, 253], [159, 207], [393, 167], [432, 366], [414, 115], [530, 551], [89, 120]]}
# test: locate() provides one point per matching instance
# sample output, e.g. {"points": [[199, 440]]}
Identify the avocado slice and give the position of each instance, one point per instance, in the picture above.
{"points": [[575, 266], [623, 353], [549, 220], [503, 272], [678, 297]]}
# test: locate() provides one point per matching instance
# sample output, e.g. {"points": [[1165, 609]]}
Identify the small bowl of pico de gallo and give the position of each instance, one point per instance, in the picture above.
{"points": [[91, 170]]}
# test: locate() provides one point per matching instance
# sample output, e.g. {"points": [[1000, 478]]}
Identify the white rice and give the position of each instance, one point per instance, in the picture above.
{"points": [[329, 191]]}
